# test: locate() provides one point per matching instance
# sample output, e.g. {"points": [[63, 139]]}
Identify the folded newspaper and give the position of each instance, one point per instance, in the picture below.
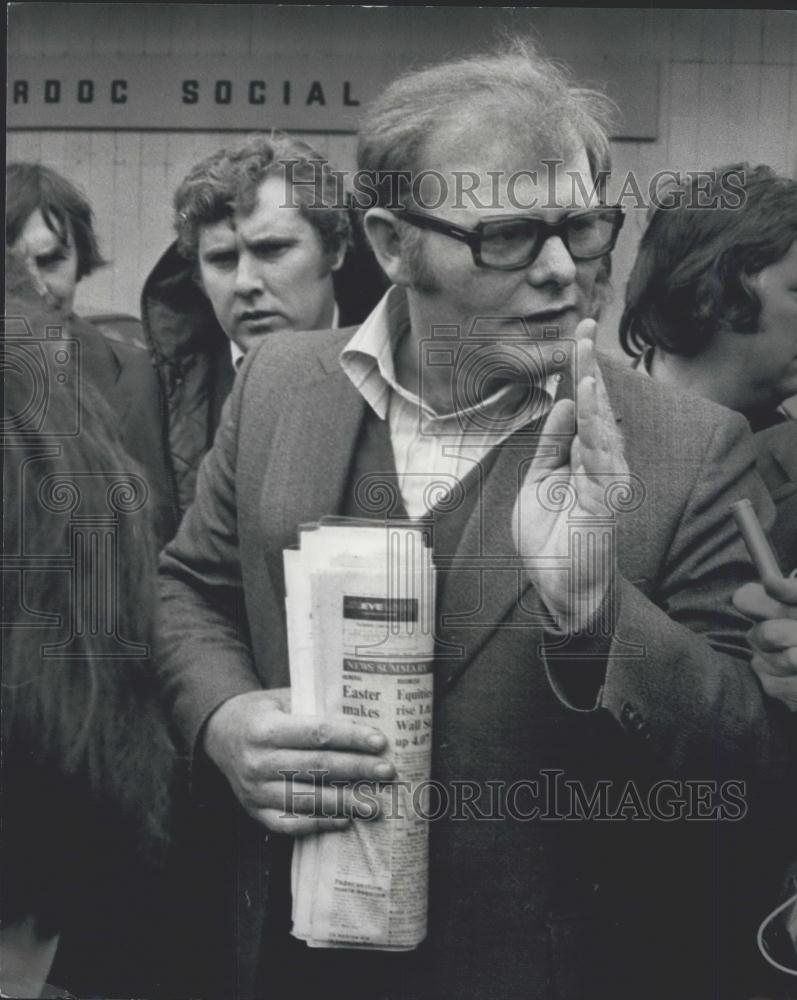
{"points": [[360, 614]]}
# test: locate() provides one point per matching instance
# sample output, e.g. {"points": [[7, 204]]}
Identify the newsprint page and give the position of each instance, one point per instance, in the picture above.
{"points": [[399, 570]]}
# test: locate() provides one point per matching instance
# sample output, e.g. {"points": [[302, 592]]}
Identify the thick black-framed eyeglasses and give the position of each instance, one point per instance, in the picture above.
{"points": [[509, 242]]}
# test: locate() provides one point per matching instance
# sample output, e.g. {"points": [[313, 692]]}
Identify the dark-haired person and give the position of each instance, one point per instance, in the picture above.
{"points": [[265, 243], [49, 225], [710, 305], [49, 222], [86, 759]]}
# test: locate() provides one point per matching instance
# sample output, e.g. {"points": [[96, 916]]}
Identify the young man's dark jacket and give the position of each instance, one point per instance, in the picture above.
{"points": [[192, 361]]}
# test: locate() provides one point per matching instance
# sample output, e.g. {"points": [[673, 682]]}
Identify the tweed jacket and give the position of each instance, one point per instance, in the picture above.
{"points": [[675, 688]]}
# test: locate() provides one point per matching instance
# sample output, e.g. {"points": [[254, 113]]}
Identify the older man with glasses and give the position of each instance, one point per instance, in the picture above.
{"points": [[589, 654]]}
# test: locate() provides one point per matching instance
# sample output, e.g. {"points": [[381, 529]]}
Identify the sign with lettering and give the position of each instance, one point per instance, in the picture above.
{"points": [[319, 93], [191, 92]]}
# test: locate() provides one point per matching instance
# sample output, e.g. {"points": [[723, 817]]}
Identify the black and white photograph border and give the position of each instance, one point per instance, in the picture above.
{"points": [[110, 108]]}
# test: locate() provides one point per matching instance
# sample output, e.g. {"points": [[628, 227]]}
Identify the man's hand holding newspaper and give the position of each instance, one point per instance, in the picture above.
{"points": [[256, 743], [303, 761]]}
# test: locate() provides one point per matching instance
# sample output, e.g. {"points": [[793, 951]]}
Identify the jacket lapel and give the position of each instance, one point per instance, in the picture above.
{"points": [[312, 452], [483, 581]]}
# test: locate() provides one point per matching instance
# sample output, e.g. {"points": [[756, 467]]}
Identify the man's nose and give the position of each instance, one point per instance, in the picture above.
{"points": [[39, 283], [553, 264], [248, 278]]}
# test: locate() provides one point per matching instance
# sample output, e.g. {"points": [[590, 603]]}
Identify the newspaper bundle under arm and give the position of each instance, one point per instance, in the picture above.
{"points": [[360, 615]]}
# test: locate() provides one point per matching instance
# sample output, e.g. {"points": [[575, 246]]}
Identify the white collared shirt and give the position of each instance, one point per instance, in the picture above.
{"points": [[432, 452], [237, 354]]}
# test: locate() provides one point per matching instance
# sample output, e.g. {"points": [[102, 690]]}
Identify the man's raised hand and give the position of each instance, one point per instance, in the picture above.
{"points": [[574, 465]]}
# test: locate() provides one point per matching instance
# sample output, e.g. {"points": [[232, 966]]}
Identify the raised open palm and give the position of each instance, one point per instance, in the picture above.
{"points": [[564, 494]]}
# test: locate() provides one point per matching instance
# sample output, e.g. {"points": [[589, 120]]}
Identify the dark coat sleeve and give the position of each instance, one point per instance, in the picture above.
{"points": [[678, 678], [202, 648]]}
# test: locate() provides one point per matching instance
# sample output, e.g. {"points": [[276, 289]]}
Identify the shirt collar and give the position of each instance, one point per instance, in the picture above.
{"points": [[368, 361]]}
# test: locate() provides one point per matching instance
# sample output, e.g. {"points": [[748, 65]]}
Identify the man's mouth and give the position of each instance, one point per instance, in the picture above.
{"points": [[534, 325], [557, 316], [553, 315], [256, 319]]}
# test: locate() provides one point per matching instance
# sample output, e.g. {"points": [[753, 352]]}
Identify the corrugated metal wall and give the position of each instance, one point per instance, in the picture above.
{"points": [[728, 91]]}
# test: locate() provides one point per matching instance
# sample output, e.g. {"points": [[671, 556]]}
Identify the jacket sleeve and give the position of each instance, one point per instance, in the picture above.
{"points": [[677, 675], [202, 650]]}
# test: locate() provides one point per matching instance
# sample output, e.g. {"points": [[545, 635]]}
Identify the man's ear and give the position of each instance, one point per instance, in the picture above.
{"points": [[384, 235], [336, 258]]}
